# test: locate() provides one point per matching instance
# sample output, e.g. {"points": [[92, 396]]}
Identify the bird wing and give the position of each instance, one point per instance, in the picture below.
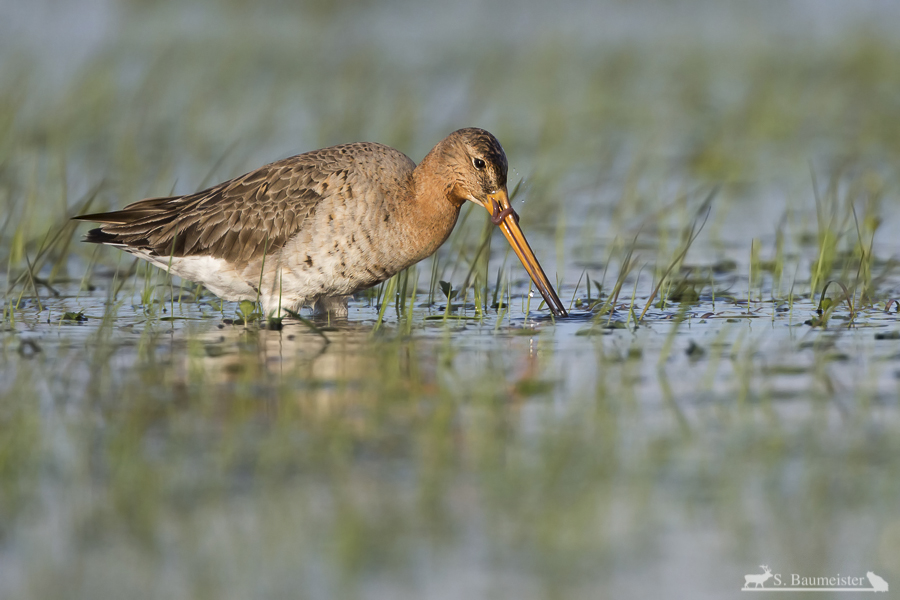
{"points": [[240, 220]]}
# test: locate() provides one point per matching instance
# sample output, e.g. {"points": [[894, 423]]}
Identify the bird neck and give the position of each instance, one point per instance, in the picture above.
{"points": [[434, 205]]}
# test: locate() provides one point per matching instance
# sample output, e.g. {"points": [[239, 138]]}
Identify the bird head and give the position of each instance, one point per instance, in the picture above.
{"points": [[478, 170]]}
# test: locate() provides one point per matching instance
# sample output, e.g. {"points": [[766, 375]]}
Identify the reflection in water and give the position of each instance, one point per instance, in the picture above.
{"points": [[324, 365]]}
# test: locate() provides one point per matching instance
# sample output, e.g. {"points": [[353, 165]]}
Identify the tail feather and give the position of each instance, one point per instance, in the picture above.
{"points": [[119, 217], [131, 213], [98, 236]]}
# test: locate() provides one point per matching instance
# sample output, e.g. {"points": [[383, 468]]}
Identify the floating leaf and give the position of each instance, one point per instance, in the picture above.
{"points": [[248, 311], [694, 350], [448, 290], [888, 335]]}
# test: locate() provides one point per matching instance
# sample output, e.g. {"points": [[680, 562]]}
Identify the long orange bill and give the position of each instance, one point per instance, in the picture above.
{"points": [[506, 218]]}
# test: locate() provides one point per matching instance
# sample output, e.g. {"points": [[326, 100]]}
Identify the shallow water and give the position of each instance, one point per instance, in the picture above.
{"points": [[185, 456]]}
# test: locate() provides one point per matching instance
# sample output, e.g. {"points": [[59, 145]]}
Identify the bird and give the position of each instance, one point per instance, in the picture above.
{"points": [[315, 228]]}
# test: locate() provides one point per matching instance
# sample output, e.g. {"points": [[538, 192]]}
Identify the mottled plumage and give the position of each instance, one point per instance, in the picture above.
{"points": [[317, 227]]}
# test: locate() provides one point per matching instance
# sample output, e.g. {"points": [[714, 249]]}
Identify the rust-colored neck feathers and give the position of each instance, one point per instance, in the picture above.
{"points": [[433, 204]]}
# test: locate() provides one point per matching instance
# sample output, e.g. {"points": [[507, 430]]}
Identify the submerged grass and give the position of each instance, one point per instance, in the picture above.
{"points": [[450, 438]]}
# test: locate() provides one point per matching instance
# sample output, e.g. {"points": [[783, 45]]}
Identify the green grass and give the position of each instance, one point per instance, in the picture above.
{"points": [[724, 395]]}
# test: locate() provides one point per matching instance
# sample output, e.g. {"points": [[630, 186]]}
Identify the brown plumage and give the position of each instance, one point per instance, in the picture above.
{"points": [[317, 227]]}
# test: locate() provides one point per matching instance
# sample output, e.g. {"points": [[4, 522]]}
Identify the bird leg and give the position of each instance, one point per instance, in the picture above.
{"points": [[498, 215]]}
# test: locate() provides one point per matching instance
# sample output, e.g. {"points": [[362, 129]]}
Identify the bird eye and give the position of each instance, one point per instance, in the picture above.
{"points": [[479, 164]]}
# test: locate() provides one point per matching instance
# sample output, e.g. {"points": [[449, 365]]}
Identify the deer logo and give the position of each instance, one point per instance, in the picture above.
{"points": [[757, 579], [878, 583]]}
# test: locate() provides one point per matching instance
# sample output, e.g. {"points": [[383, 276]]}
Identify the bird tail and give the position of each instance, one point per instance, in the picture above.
{"points": [[98, 236]]}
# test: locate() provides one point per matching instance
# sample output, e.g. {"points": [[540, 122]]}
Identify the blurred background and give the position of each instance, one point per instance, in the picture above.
{"points": [[155, 467], [139, 99]]}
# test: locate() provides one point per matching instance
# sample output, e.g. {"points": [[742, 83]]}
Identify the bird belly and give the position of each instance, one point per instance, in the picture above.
{"points": [[215, 274], [330, 259], [287, 283], [318, 275]]}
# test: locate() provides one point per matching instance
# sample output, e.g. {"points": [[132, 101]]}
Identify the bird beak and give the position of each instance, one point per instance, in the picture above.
{"points": [[506, 218]]}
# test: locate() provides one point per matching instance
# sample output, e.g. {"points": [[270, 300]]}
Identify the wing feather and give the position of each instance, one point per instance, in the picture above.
{"points": [[236, 220], [241, 219]]}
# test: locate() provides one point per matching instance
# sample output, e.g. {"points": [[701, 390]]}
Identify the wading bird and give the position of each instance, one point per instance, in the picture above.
{"points": [[315, 228]]}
